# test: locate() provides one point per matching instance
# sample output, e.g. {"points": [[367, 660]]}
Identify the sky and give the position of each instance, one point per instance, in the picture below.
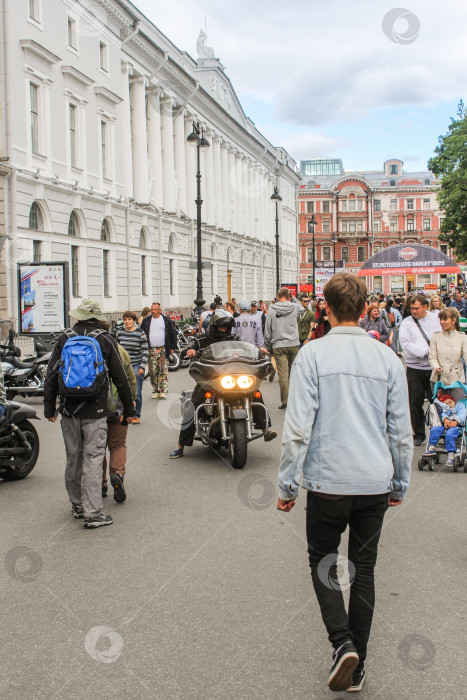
{"points": [[360, 80]]}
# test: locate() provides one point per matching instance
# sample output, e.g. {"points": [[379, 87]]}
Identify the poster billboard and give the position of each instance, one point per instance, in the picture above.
{"points": [[292, 287], [42, 297], [324, 270]]}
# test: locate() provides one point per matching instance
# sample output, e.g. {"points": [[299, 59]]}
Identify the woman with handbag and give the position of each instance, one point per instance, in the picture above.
{"points": [[448, 349]]}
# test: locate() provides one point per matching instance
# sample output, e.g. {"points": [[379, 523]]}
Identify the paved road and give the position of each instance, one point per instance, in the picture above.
{"points": [[201, 588]]}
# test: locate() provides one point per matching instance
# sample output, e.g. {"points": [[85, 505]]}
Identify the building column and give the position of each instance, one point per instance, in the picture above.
{"points": [[125, 118], [218, 208], [246, 197], [155, 147], [226, 211], [251, 199], [240, 197], [190, 163], [180, 164], [232, 190], [140, 146], [168, 163], [209, 181]]}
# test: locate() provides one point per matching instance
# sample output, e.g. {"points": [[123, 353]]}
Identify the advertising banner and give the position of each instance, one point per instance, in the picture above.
{"points": [[292, 288], [413, 259], [43, 297], [324, 270]]}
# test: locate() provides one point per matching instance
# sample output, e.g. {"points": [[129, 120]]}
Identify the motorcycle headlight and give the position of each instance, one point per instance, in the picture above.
{"points": [[245, 381], [227, 382]]}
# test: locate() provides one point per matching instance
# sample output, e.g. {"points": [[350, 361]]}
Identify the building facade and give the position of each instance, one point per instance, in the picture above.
{"points": [[97, 106], [358, 214]]}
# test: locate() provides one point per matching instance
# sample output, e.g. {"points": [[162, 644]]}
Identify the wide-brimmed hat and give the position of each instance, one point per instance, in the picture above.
{"points": [[86, 310]]}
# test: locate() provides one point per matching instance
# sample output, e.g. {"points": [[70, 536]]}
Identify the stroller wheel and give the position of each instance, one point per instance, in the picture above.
{"points": [[465, 466], [437, 459], [431, 464], [421, 464], [455, 466]]}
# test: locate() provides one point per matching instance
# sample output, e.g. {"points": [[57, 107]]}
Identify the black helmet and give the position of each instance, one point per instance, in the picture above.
{"points": [[220, 319]]}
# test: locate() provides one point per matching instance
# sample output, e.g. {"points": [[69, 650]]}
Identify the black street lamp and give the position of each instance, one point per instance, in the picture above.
{"points": [[277, 198], [198, 140], [334, 238], [311, 229]]}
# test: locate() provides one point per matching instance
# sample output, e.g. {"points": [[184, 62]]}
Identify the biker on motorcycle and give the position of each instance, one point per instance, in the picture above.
{"points": [[220, 329], [2, 393]]}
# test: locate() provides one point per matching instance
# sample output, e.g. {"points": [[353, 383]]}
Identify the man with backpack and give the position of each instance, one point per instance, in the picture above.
{"points": [[81, 363], [205, 318]]}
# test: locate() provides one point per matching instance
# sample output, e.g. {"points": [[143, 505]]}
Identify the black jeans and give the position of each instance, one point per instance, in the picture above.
{"points": [[326, 520], [418, 381]]}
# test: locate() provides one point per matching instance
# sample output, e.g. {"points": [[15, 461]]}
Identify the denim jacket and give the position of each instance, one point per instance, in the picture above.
{"points": [[347, 429]]}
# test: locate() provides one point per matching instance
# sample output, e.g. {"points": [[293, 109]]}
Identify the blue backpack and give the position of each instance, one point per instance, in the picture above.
{"points": [[82, 372], [205, 324]]}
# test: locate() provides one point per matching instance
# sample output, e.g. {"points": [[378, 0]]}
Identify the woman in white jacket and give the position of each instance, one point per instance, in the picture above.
{"points": [[447, 349]]}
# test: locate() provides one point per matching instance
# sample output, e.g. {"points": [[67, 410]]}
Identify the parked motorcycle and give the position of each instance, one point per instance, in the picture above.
{"points": [[22, 377], [230, 374], [19, 442]]}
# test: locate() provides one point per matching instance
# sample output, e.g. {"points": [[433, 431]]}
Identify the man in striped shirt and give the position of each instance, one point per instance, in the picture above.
{"points": [[134, 340]]}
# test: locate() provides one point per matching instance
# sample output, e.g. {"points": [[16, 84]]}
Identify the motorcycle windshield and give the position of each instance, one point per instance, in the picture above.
{"points": [[230, 350]]}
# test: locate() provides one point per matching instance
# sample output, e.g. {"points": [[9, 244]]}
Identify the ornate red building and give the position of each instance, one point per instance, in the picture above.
{"points": [[359, 213]]}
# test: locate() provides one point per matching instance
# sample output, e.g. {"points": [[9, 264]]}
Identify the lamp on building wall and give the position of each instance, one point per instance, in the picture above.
{"points": [[334, 239], [277, 198], [311, 229], [198, 141]]}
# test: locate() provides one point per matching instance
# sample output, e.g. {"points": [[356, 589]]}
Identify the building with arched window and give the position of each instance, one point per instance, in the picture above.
{"points": [[98, 153]]}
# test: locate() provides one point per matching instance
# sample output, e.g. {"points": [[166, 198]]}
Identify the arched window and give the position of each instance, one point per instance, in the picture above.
{"points": [[105, 231], [73, 225], [143, 240], [36, 222]]}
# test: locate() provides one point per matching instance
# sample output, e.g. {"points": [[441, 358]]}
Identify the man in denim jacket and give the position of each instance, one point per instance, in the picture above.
{"points": [[347, 440]]}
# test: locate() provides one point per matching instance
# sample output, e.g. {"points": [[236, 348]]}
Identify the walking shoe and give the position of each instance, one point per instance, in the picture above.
{"points": [[430, 451], [176, 453], [270, 436], [417, 442], [97, 521], [283, 405], [357, 681], [450, 459], [119, 490], [344, 664], [136, 421], [77, 511], [155, 395], [271, 376], [163, 395], [105, 488]]}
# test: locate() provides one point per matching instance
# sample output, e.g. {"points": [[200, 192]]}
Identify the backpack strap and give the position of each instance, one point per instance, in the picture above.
{"points": [[421, 330]]}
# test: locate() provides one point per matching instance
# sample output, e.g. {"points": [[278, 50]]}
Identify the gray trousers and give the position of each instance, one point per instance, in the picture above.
{"points": [[85, 441]]}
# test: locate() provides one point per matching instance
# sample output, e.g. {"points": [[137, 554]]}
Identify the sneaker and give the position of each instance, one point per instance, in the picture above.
{"points": [[77, 511], [155, 395], [163, 395], [176, 453], [357, 681], [344, 664], [105, 488], [270, 436], [430, 451], [272, 376], [450, 459], [119, 490], [136, 421], [282, 406], [97, 521], [417, 441]]}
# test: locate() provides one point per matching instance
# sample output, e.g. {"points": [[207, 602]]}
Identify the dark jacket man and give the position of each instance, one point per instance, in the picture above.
{"points": [[96, 408], [170, 334]]}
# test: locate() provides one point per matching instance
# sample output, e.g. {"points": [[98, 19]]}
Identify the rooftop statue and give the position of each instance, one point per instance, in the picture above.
{"points": [[203, 50]]}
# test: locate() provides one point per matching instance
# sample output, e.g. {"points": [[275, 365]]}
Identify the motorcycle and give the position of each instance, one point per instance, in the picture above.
{"points": [[26, 378], [19, 442], [230, 374]]}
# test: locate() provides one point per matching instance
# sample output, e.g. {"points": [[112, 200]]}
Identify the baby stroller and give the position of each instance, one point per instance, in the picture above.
{"points": [[433, 418]]}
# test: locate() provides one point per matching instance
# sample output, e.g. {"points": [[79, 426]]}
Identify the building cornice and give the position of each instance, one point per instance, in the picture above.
{"points": [[108, 94], [77, 75]]}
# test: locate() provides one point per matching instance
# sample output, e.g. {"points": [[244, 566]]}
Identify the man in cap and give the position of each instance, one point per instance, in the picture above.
{"points": [[248, 327], [84, 422], [257, 312]]}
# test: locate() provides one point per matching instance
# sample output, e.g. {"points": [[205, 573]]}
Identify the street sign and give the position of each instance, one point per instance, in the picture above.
{"points": [[193, 265], [452, 285]]}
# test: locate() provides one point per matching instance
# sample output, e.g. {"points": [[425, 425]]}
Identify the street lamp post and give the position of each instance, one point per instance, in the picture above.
{"points": [[334, 250], [311, 229], [198, 140], [277, 198]]}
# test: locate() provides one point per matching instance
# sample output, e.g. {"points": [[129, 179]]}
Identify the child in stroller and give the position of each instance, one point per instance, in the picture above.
{"points": [[452, 414]]}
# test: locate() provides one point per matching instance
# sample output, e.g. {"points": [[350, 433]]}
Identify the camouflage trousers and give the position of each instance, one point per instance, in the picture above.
{"points": [[158, 370]]}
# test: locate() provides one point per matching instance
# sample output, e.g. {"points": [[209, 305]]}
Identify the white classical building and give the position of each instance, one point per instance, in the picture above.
{"points": [[97, 105]]}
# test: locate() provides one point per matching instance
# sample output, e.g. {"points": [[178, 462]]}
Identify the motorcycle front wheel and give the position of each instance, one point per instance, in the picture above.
{"points": [[174, 362], [238, 444], [21, 465]]}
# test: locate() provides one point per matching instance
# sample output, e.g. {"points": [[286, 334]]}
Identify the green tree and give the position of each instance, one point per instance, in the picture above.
{"points": [[450, 166]]}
